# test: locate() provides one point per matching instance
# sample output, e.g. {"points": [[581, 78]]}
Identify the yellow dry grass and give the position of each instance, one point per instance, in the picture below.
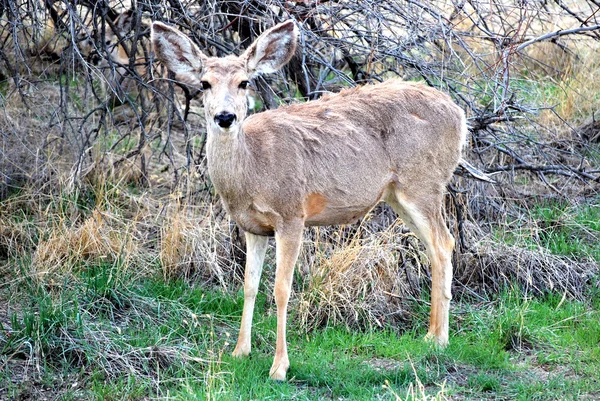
{"points": [[68, 245], [578, 96], [74, 227], [176, 243], [357, 282], [194, 244]]}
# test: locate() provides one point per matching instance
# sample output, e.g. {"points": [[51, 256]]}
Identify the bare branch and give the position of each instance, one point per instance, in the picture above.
{"points": [[556, 34]]}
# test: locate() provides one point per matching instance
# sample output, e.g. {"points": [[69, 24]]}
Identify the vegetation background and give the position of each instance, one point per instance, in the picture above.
{"points": [[120, 275]]}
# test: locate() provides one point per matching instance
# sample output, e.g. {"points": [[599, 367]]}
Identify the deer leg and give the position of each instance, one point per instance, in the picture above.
{"points": [[440, 255], [430, 227], [256, 247], [288, 242]]}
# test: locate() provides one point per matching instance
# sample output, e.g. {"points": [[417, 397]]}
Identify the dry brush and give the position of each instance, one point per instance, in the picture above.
{"points": [[123, 141]]}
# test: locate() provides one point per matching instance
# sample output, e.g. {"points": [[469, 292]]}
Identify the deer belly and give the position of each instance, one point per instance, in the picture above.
{"points": [[332, 216], [321, 210], [329, 213]]}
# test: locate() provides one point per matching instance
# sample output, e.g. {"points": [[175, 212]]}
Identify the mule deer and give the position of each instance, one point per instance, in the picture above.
{"points": [[323, 162], [119, 80]]}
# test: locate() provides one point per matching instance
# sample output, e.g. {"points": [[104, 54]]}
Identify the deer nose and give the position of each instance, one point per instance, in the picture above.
{"points": [[224, 119]]}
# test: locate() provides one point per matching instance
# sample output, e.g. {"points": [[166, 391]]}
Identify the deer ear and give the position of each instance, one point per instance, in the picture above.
{"points": [[124, 22], [177, 52], [272, 50]]}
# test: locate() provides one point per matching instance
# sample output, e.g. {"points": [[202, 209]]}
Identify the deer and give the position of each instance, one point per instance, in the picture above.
{"points": [[119, 81], [323, 162]]}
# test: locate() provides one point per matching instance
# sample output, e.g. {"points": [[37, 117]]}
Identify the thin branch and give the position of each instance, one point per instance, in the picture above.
{"points": [[560, 32]]}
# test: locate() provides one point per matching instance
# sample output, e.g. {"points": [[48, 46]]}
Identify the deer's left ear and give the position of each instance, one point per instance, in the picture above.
{"points": [[272, 50]]}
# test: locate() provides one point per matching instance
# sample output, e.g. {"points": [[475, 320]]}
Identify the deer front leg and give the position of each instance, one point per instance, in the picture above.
{"points": [[288, 240], [256, 247]]}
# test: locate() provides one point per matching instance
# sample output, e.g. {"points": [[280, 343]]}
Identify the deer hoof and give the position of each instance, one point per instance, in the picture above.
{"points": [[278, 371], [440, 341], [241, 351]]}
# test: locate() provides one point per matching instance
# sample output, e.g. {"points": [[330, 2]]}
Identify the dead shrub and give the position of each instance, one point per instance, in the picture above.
{"points": [[494, 265]]}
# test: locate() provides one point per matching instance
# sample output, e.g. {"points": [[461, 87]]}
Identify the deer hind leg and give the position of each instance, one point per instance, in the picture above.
{"points": [[426, 221], [288, 240], [256, 247]]}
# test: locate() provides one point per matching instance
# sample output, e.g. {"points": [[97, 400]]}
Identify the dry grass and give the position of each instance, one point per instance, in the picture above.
{"points": [[373, 278], [362, 280], [60, 238], [93, 241], [175, 249], [578, 95], [494, 265], [197, 247], [572, 73], [368, 275], [527, 250]]}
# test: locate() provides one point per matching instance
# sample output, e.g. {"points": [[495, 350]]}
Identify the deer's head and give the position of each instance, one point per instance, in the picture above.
{"points": [[120, 28], [223, 81]]}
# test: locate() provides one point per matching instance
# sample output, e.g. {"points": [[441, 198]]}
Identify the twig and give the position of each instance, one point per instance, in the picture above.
{"points": [[560, 32]]}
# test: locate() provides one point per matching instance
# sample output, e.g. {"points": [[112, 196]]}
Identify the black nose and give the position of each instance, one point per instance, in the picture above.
{"points": [[224, 119]]}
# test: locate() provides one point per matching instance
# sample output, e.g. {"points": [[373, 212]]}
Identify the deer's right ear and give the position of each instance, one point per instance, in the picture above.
{"points": [[177, 52]]}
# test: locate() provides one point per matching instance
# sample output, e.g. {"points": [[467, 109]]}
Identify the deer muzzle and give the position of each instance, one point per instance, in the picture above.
{"points": [[224, 119]]}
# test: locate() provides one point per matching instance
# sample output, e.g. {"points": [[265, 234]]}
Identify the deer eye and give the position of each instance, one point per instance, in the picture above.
{"points": [[205, 85], [244, 84]]}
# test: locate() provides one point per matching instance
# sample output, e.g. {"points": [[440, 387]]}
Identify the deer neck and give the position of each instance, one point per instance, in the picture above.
{"points": [[228, 161]]}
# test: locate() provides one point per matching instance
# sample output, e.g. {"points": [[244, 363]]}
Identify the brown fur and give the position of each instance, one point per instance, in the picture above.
{"points": [[314, 204], [323, 162], [120, 76], [119, 81]]}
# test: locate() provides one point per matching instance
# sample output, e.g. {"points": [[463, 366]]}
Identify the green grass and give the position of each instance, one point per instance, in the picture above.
{"points": [[531, 91], [116, 142], [106, 335], [558, 228]]}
